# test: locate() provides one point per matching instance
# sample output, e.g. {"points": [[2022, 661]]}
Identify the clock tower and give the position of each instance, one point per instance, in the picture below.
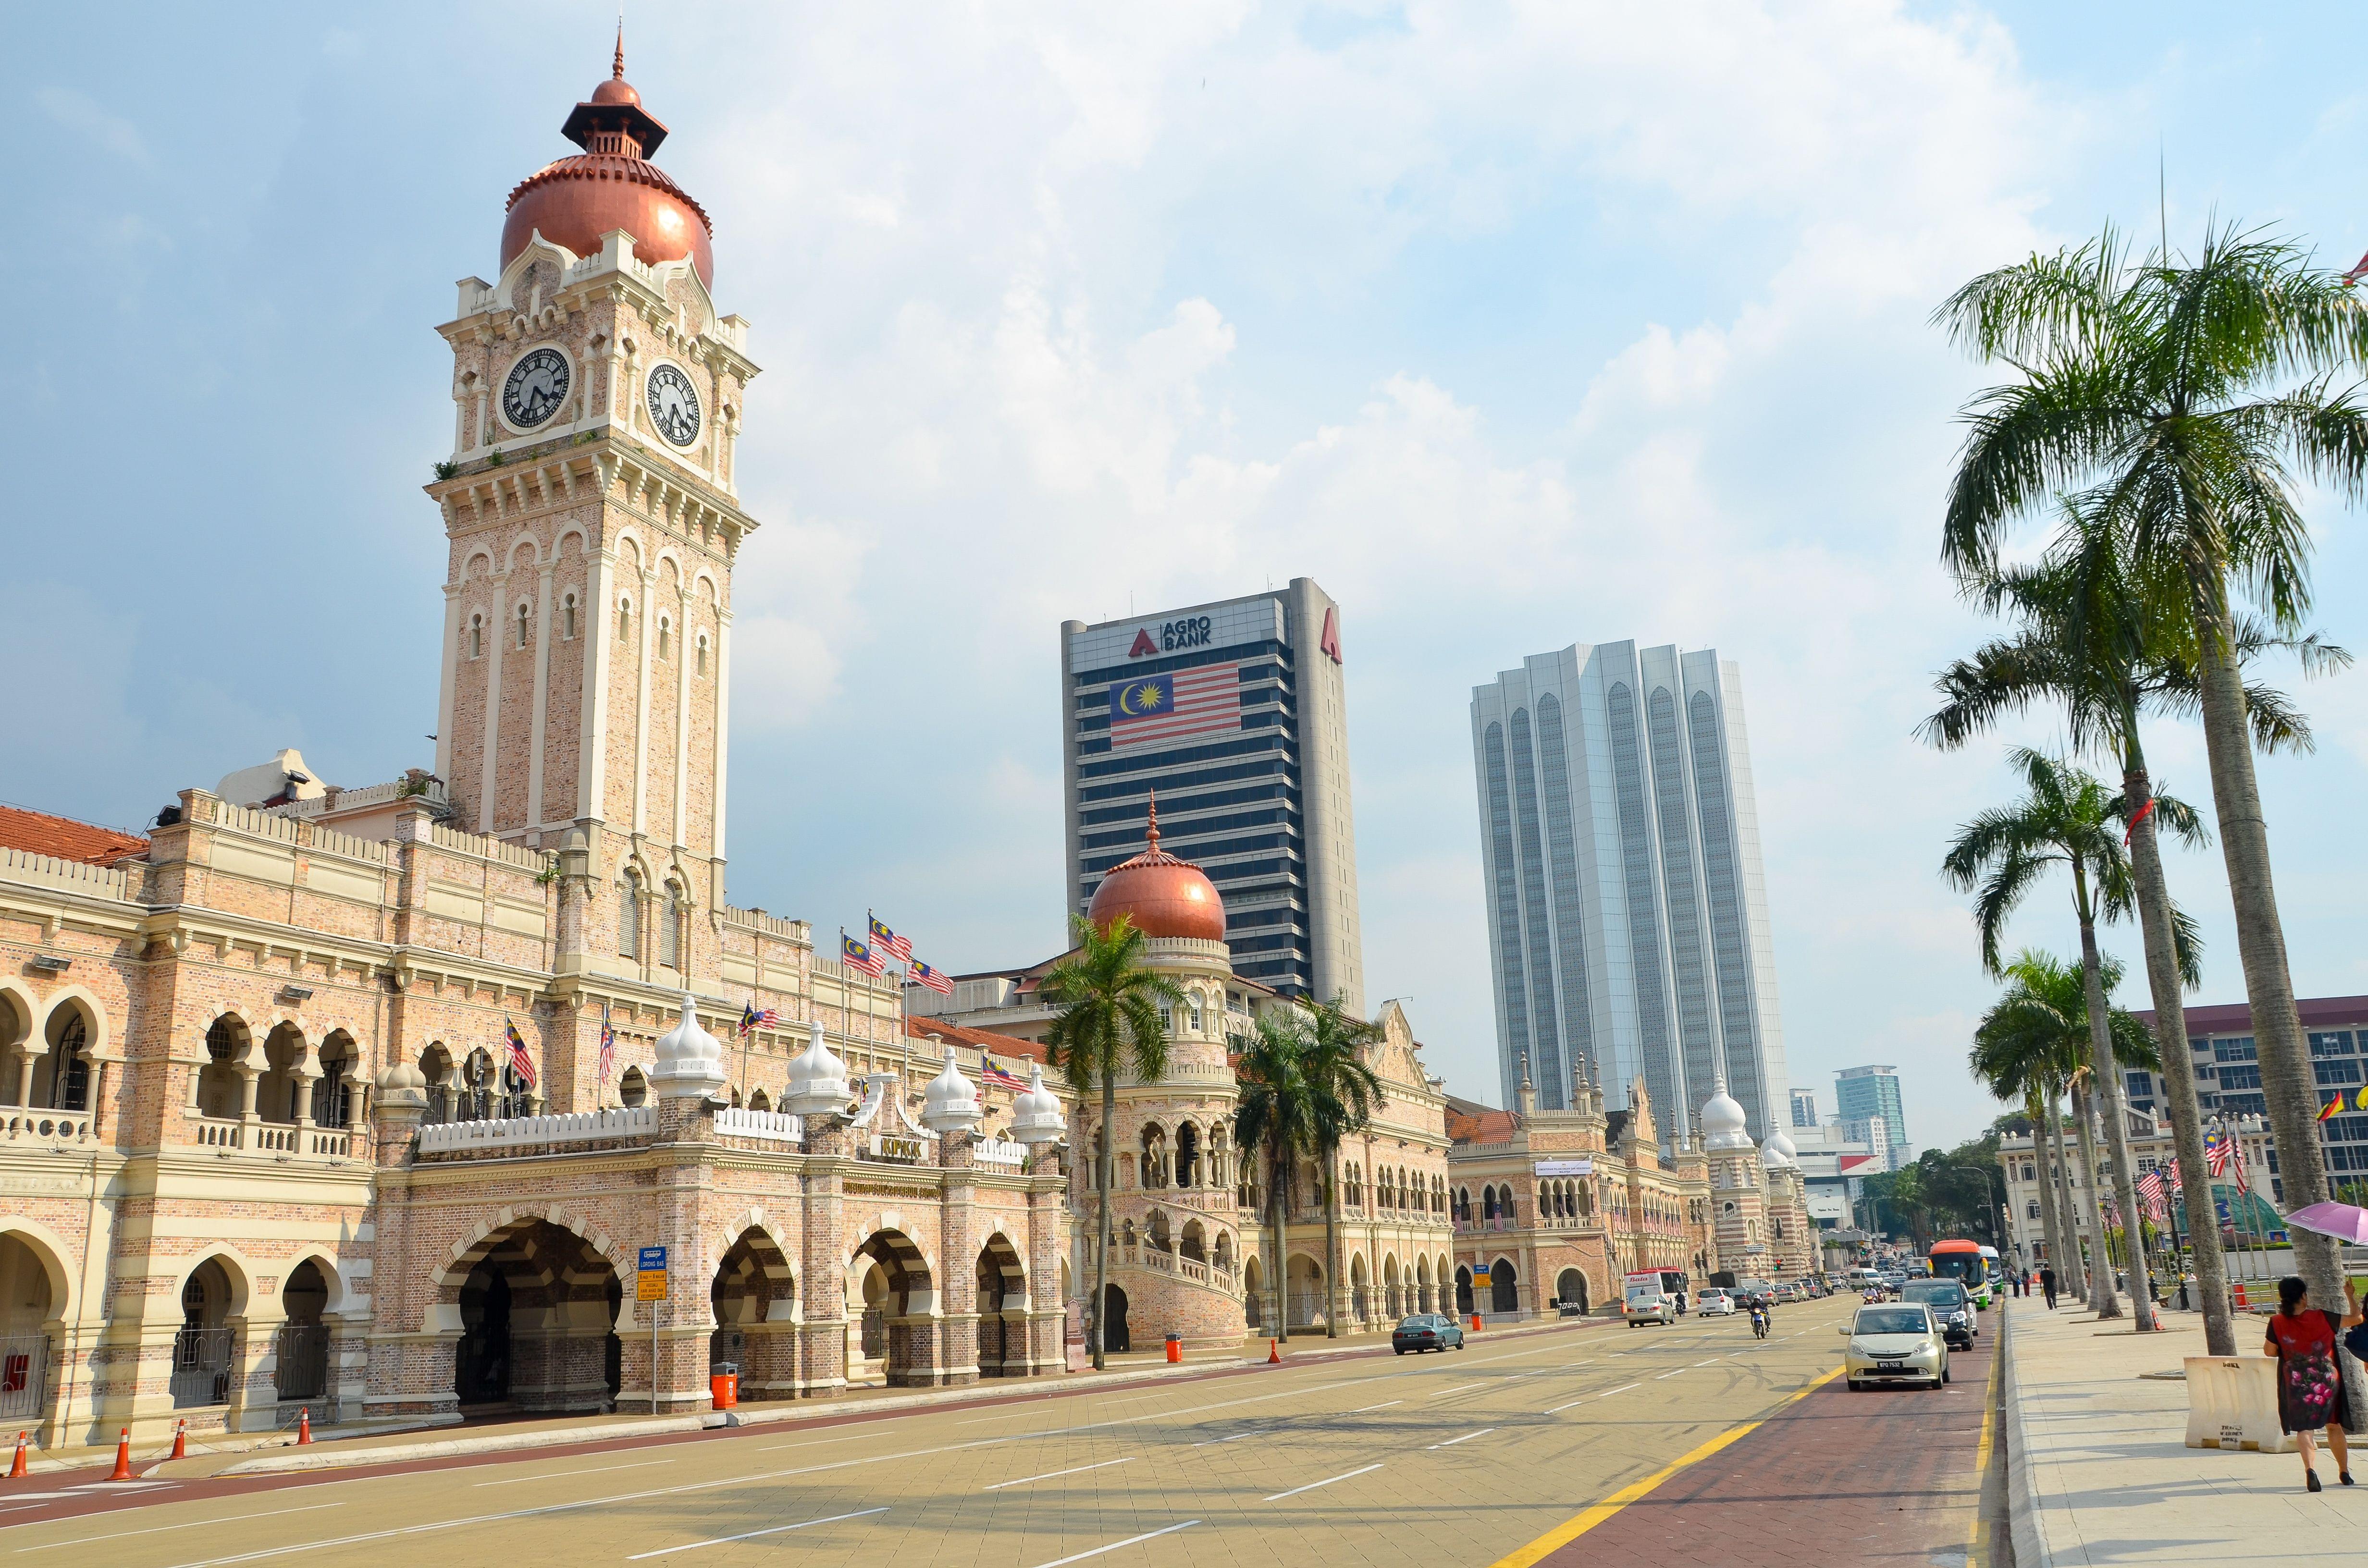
{"points": [[593, 513]]}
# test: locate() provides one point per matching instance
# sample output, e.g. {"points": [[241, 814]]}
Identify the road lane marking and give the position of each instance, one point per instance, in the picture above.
{"points": [[1147, 1535], [1623, 1388], [1712, 1362], [1465, 1439], [1384, 1405], [1072, 1469], [751, 1535], [1460, 1389], [1314, 1485], [187, 1524], [554, 1475], [1664, 1377], [1254, 1432], [1570, 1529], [1557, 1409]]}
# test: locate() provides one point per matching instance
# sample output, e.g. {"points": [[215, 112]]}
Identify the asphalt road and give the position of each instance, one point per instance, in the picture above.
{"points": [[1471, 1457]]}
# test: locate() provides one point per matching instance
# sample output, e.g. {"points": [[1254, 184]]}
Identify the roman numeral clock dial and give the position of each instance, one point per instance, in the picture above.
{"points": [[535, 388], [673, 405]]}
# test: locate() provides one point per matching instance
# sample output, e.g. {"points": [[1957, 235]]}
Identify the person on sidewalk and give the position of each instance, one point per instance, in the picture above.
{"points": [[2047, 1284], [2311, 1394]]}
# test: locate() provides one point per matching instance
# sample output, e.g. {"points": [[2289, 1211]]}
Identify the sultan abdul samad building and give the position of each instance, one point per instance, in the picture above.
{"points": [[264, 1140]]}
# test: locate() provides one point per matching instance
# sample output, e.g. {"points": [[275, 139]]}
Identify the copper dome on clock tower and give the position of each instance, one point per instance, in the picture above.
{"points": [[1167, 897], [610, 185]]}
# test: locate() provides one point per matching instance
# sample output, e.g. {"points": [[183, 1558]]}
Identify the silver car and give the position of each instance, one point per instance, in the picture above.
{"points": [[1894, 1342]]}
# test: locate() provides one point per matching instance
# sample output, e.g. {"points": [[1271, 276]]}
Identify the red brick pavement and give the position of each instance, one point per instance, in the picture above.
{"points": [[1885, 1477]]}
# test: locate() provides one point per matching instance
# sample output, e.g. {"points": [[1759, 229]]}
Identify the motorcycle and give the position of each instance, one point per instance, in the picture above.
{"points": [[1759, 1323]]}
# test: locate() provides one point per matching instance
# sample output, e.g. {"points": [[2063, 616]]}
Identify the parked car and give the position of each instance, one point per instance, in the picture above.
{"points": [[1716, 1302], [1642, 1307], [1951, 1305], [1427, 1331], [1786, 1290], [1898, 1342]]}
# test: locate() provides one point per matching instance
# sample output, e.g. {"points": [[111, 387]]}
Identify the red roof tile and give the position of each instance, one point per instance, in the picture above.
{"points": [[920, 1028], [66, 839], [1481, 1125]]}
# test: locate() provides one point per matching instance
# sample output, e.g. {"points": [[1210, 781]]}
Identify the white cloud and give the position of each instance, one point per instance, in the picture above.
{"points": [[82, 115]]}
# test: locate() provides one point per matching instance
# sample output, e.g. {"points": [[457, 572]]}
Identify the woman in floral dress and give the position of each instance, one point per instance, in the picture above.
{"points": [[2311, 1392]]}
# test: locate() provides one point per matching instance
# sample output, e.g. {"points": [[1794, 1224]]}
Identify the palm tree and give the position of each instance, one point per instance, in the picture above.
{"points": [[1347, 1093], [2035, 1042], [2068, 819], [1107, 1024], [2099, 638], [2190, 397], [1278, 1114]]}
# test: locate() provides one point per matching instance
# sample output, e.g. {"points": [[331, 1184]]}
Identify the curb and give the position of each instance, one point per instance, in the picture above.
{"points": [[809, 1410], [2024, 1511]]}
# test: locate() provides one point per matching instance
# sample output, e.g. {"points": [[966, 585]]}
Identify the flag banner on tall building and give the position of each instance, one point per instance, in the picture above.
{"points": [[856, 956], [751, 1018], [935, 978], [994, 1074], [1167, 707], [887, 942], [520, 1063], [607, 1046]]}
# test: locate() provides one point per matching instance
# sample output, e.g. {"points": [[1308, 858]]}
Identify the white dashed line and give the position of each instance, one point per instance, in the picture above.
{"points": [[751, 1535], [1465, 1439], [1461, 1389], [1314, 1485], [1147, 1535], [1384, 1405], [1074, 1470], [1623, 1388], [555, 1474], [232, 1520]]}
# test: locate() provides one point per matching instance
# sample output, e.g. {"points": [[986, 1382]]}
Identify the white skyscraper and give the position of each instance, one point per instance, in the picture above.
{"points": [[1627, 912]]}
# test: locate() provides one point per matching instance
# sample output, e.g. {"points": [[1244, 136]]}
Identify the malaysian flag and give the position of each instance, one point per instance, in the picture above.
{"points": [[750, 1018], [2215, 1154], [1165, 707], [920, 974], [994, 1074], [608, 1045], [887, 942], [520, 1063], [2150, 1186], [856, 956]]}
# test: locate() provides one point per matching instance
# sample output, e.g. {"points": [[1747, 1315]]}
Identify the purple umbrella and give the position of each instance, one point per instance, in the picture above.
{"points": [[2341, 1221]]}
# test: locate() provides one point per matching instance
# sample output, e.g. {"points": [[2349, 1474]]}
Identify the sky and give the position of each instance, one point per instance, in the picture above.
{"points": [[1513, 325]]}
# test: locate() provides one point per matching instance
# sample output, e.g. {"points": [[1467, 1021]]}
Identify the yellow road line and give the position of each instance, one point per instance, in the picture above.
{"points": [[1570, 1529], [1978, 1548]]}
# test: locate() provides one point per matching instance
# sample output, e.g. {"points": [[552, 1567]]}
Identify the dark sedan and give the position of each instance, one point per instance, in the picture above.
{"points": [[1427, 1331]]}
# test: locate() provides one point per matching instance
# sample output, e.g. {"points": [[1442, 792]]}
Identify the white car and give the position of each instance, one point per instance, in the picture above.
{"points": [[1645, 1307], [1716, 1302], [1896, 1341]]}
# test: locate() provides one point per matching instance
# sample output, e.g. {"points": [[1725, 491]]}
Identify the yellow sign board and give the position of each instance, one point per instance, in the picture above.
{"points": [[653, 1286]]}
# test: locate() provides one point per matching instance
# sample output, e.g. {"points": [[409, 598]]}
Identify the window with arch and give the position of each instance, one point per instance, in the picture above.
{"points": [[524, 633], [666, 637], [670, 927], [476, 637], [702, 652], [624, 619], [70, 1063], [629, 916], [567, 618], [1194, 1010]]}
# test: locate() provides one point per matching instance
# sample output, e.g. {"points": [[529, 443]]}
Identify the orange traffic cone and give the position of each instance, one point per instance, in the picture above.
{"points": [[122, 1456], [18, 1468], [1274, 1356], [181, 1439], [303, 1426], [1475, 1323]]}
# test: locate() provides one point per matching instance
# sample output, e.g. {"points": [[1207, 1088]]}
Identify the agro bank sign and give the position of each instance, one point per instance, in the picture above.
{"points": [[1564, 1167]]}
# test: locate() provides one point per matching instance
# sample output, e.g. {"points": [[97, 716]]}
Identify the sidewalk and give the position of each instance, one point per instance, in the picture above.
{"points": [[2100, 1472]]}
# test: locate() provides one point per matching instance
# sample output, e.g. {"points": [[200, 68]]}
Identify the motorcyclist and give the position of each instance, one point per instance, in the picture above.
{"points": [[1759, 1317]]}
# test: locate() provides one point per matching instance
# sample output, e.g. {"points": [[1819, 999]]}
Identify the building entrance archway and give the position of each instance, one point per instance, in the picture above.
{"points": [[30, 1304], [536, 1308], [1462, 1291], [755, 1300], [1114, 1330], [899, 1308], [1570, 1289], [1504, 1292], [1002, 1309]]}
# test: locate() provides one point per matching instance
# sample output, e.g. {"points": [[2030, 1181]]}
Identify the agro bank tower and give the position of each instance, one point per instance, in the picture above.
{"points": [[1627, 912]]}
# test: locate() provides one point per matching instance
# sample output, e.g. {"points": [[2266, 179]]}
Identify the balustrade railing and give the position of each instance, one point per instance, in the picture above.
{"points": [[43, 1126], [577, 1126]]}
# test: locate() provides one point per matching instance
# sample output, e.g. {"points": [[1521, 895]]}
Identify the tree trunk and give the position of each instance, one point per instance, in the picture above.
{"points": [[1331, 1248], [2178, 1066], [1279, 1203], [2100, 1255], [2108, 1075], [1102, 1177], [2073, 1273], [2287, 1082], [2042, 1111]]}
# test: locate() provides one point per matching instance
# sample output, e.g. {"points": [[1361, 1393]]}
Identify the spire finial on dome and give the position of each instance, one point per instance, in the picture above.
{"points": [[1151, 832], [617, 74]]}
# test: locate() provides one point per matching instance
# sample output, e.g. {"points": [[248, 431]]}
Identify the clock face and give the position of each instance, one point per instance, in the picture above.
{"points": [[673, 405], [536, 387]]}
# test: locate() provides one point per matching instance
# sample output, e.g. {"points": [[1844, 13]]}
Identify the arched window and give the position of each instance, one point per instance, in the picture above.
{"points": [[476, 637], [702, 652], [670, 927], [629, 917], [632, 1088], [666, 637], [522, 632], [70, 1063], [1196, 1011], [567, 618], [624, 619]]}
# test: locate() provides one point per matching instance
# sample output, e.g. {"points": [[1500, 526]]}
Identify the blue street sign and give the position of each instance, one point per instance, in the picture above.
{"points": [[653, 1260]]}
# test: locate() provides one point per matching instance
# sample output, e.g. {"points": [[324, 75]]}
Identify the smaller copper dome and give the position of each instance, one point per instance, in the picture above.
{"points": [[615, 90], [1167, 897]]}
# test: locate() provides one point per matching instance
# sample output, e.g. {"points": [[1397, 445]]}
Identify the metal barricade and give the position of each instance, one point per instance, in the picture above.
{"points": [[24, 1376]]}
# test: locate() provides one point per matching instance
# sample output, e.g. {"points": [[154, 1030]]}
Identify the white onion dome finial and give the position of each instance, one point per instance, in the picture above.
{"points": [[1722, 1121], [401, 1084], [952, 1104], [1036, 1114], [1784, 1145], [689, 1060], [817, 1081]]}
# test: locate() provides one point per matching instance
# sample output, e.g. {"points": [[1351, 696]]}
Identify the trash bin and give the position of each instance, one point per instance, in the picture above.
{"points": [[724, 1384], [1174, 1348]]}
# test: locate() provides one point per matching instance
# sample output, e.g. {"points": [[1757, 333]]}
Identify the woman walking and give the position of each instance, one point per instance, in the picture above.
{"points": [[2311, 1395]]}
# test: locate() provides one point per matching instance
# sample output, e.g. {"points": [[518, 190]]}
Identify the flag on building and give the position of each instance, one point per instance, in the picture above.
{"points": [[994, 1074], [607, 1046], [856, 956], [2215, 1154], [2150, 1186], [520, 1063], [887, 942], [750, 1018], [1187, 702], [2363, 1099], [920, 974], [2328, 1111]]}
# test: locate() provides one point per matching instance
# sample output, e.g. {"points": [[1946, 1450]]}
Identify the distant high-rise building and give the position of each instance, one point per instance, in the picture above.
{"points": [[1805, 1107], [1627, 914], [1236, 713], [1862, 1093]]}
